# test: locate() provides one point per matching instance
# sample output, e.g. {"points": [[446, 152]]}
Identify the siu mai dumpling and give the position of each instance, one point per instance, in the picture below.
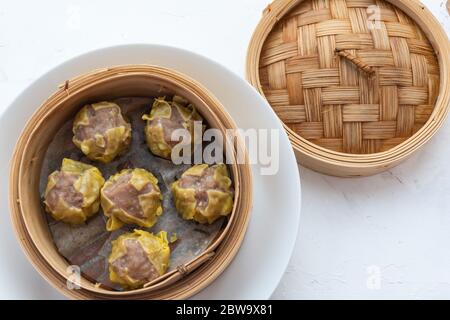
{"points": [[131, 196], [165, 117], [101, 132], [204, 193], [138, 258], [73, 193]]}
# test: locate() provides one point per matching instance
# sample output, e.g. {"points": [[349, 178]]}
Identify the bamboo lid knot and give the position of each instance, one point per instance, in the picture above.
{"points": [[356, 61]]}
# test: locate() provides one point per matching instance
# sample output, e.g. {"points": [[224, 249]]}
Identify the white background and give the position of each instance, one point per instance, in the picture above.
{"points": [[395, 225]]}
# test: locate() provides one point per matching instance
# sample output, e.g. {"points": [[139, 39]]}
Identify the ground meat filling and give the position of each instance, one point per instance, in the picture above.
{"points": [[135, 263], [99, 122], [169, 125], [201, 184], [126, 197], [65, 190]]}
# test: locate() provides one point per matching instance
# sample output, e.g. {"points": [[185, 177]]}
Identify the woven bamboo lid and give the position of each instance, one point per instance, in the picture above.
{"points": [[352, 80]]}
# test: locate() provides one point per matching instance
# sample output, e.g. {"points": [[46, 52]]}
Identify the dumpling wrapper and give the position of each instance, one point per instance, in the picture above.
{"points": [[165, 117], [101, 132], [131, 196], [73, 193], [204, 193], [138, 258]]}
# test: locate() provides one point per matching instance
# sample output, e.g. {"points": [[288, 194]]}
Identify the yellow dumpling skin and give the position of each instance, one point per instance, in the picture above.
{"points": [[131, 196], [101, 132], [165, 117], [72, 194], [204, 193], [138, 258]]}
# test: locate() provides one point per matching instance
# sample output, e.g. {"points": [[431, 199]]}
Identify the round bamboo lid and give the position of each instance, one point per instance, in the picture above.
{"points": [[348, 78]]}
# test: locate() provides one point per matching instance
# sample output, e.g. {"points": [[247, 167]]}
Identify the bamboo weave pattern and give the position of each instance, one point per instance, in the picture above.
{"points": [[354, 76]]}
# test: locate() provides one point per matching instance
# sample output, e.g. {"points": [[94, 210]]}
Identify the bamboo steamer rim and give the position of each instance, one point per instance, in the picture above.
{"points": [[217, 256], [337, 163]]}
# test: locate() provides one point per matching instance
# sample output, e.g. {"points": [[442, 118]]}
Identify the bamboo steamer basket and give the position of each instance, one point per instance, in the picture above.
{"points": [[355, 98], [28, 216]]}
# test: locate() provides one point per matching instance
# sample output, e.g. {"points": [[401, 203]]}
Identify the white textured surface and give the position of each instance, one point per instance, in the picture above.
{"points": [[395, 225]]}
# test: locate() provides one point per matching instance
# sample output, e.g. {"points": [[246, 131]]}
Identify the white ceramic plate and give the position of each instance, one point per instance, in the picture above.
{"points": [[269, 241]]}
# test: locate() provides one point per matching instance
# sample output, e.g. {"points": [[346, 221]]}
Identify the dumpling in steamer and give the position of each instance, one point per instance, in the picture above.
{"points": [[101, 132], [165, 117], [131, 197], [138, 257], [73, 193], [204, 193]]}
